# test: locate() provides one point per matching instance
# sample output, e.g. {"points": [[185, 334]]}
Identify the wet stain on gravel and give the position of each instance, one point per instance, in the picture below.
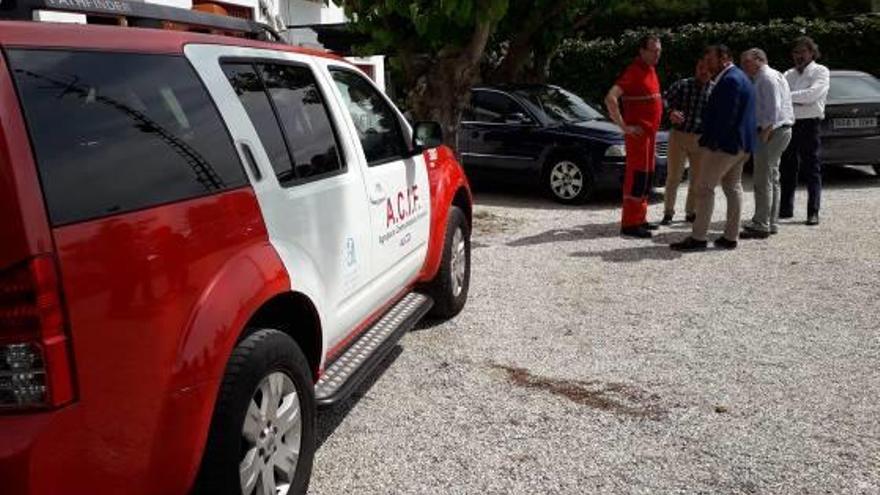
{"points": [[486, 223], [617, 398]]}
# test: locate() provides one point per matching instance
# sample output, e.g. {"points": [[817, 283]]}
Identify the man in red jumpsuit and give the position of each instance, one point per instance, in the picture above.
{"points": [[639, 90]]}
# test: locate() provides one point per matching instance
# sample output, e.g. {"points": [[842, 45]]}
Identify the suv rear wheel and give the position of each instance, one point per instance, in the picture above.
{"points": [[568, 181], [262, 438]]}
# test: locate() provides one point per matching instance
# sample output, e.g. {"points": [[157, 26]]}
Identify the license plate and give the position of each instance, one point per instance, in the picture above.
{"points": [[859, 123]]}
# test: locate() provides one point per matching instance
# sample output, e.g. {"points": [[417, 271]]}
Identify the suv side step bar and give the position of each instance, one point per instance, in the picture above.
{"points": [[344, 375]]}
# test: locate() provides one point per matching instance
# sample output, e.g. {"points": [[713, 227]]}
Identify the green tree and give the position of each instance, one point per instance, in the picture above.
{"points": [[529, 35], [441, 48], [437, 46]]}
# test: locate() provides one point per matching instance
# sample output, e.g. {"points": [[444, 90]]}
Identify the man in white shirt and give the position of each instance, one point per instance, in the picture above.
{"points": [[809, 83], [775, 117]]}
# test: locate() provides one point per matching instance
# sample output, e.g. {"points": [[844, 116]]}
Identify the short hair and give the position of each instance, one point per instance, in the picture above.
{"points": [[808, 43], [756, 54], [720, 49], [647, 39]]}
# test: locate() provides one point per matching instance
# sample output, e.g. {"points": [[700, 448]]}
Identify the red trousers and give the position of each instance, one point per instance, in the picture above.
{"points": [[637, 178]]}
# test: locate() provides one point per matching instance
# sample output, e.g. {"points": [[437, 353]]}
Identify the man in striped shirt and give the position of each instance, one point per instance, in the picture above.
{"points": [[684, 104]]}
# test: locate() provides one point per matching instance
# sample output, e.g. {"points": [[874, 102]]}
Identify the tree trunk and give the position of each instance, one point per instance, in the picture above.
{"points": [[442, 87], [520, 51]]}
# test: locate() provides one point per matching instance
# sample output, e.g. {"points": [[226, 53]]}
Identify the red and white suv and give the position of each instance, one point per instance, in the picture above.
{"points": [[202, 238]]}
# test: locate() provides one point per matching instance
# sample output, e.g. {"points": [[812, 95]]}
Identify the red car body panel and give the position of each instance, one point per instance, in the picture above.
{"points": [[446, 178], [156, 300]]}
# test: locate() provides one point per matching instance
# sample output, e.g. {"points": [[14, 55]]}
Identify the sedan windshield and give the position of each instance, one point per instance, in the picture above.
{"points": [[561, 105], [854, 88]]}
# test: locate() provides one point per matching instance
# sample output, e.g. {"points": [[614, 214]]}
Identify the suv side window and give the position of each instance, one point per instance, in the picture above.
{"points": [[305, 147], [116, 132], [249, 88], [491, 107], [376, 122]]}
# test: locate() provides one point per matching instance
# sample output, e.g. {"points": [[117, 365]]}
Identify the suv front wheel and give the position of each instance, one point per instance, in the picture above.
{"points": [[450, 286], [262, 437], [568, 181]]}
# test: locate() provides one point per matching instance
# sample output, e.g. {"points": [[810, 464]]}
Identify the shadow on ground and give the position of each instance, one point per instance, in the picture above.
{"points": [[849, 178], [658, 250], [331, 417], [578, 233], [491, 193]]}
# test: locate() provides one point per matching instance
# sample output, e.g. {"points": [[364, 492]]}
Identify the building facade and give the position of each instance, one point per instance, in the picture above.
{"points": [[297, 21]]}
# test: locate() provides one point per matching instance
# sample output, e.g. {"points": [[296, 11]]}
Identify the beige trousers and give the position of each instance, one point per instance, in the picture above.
{"points": [[684, 147], [726, 169]]}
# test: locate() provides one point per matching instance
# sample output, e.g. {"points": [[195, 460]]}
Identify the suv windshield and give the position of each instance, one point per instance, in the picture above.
{"points": [[854, 88], [561, 105]]}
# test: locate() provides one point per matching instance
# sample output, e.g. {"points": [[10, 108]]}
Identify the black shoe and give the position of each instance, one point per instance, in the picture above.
{"points": [[639, 232], [689, 244], [651, 226], [690, 217], [667, 219], [753, 234], [813, 219], [786, 214], [724, 243]]}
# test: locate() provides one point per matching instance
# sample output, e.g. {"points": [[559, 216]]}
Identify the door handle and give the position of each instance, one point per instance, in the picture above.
{"points": [[377, 195], [251, 161]]}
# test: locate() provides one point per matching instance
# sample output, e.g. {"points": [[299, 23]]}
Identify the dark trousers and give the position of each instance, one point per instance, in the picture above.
{"points": [[801, 155]]}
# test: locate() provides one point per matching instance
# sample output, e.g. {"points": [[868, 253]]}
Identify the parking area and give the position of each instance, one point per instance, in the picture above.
{"points": [[587, 363]]}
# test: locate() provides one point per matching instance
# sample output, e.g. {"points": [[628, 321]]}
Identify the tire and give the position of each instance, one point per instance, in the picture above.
{"points": [[877, 169], [568, 181], [450, 286], [266, 368]]}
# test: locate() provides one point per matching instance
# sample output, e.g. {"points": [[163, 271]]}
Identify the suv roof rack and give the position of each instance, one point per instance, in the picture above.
{"points": [[141, 14]]}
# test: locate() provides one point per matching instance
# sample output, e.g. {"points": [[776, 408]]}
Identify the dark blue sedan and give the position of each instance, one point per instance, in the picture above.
{"points": [[544, 134]]}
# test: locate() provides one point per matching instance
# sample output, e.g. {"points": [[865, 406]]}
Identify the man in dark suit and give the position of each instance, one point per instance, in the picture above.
{"points": [[729, 136]]}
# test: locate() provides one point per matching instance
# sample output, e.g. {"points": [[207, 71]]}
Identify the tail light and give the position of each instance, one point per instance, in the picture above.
{"points": [[35, 361]]}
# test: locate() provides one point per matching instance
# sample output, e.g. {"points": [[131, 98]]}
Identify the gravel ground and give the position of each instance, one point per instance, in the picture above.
{"points": [[587, 363]]}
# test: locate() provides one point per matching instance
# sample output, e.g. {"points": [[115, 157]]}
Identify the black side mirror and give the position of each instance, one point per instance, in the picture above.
{"points": [[427, 135]]}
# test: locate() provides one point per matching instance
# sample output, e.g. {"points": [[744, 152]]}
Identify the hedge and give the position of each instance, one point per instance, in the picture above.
{"points": [[589, 67]]}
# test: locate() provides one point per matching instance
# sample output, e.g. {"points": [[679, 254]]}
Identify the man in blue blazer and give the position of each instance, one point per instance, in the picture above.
{"points": [[729, 137]]}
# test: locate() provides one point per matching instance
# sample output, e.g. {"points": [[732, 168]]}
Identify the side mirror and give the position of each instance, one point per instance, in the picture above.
{"points": [[517, 118], [427, 135]]}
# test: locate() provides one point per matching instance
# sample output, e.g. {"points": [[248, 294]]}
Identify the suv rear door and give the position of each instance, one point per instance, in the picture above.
{"points": [[285, 122]]}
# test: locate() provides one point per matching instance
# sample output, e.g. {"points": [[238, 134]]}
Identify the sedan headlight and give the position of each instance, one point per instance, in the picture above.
{"points": [[616, 151]]}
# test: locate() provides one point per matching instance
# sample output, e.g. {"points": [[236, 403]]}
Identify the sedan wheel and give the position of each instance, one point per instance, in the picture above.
{"points": [[568, 182]]}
